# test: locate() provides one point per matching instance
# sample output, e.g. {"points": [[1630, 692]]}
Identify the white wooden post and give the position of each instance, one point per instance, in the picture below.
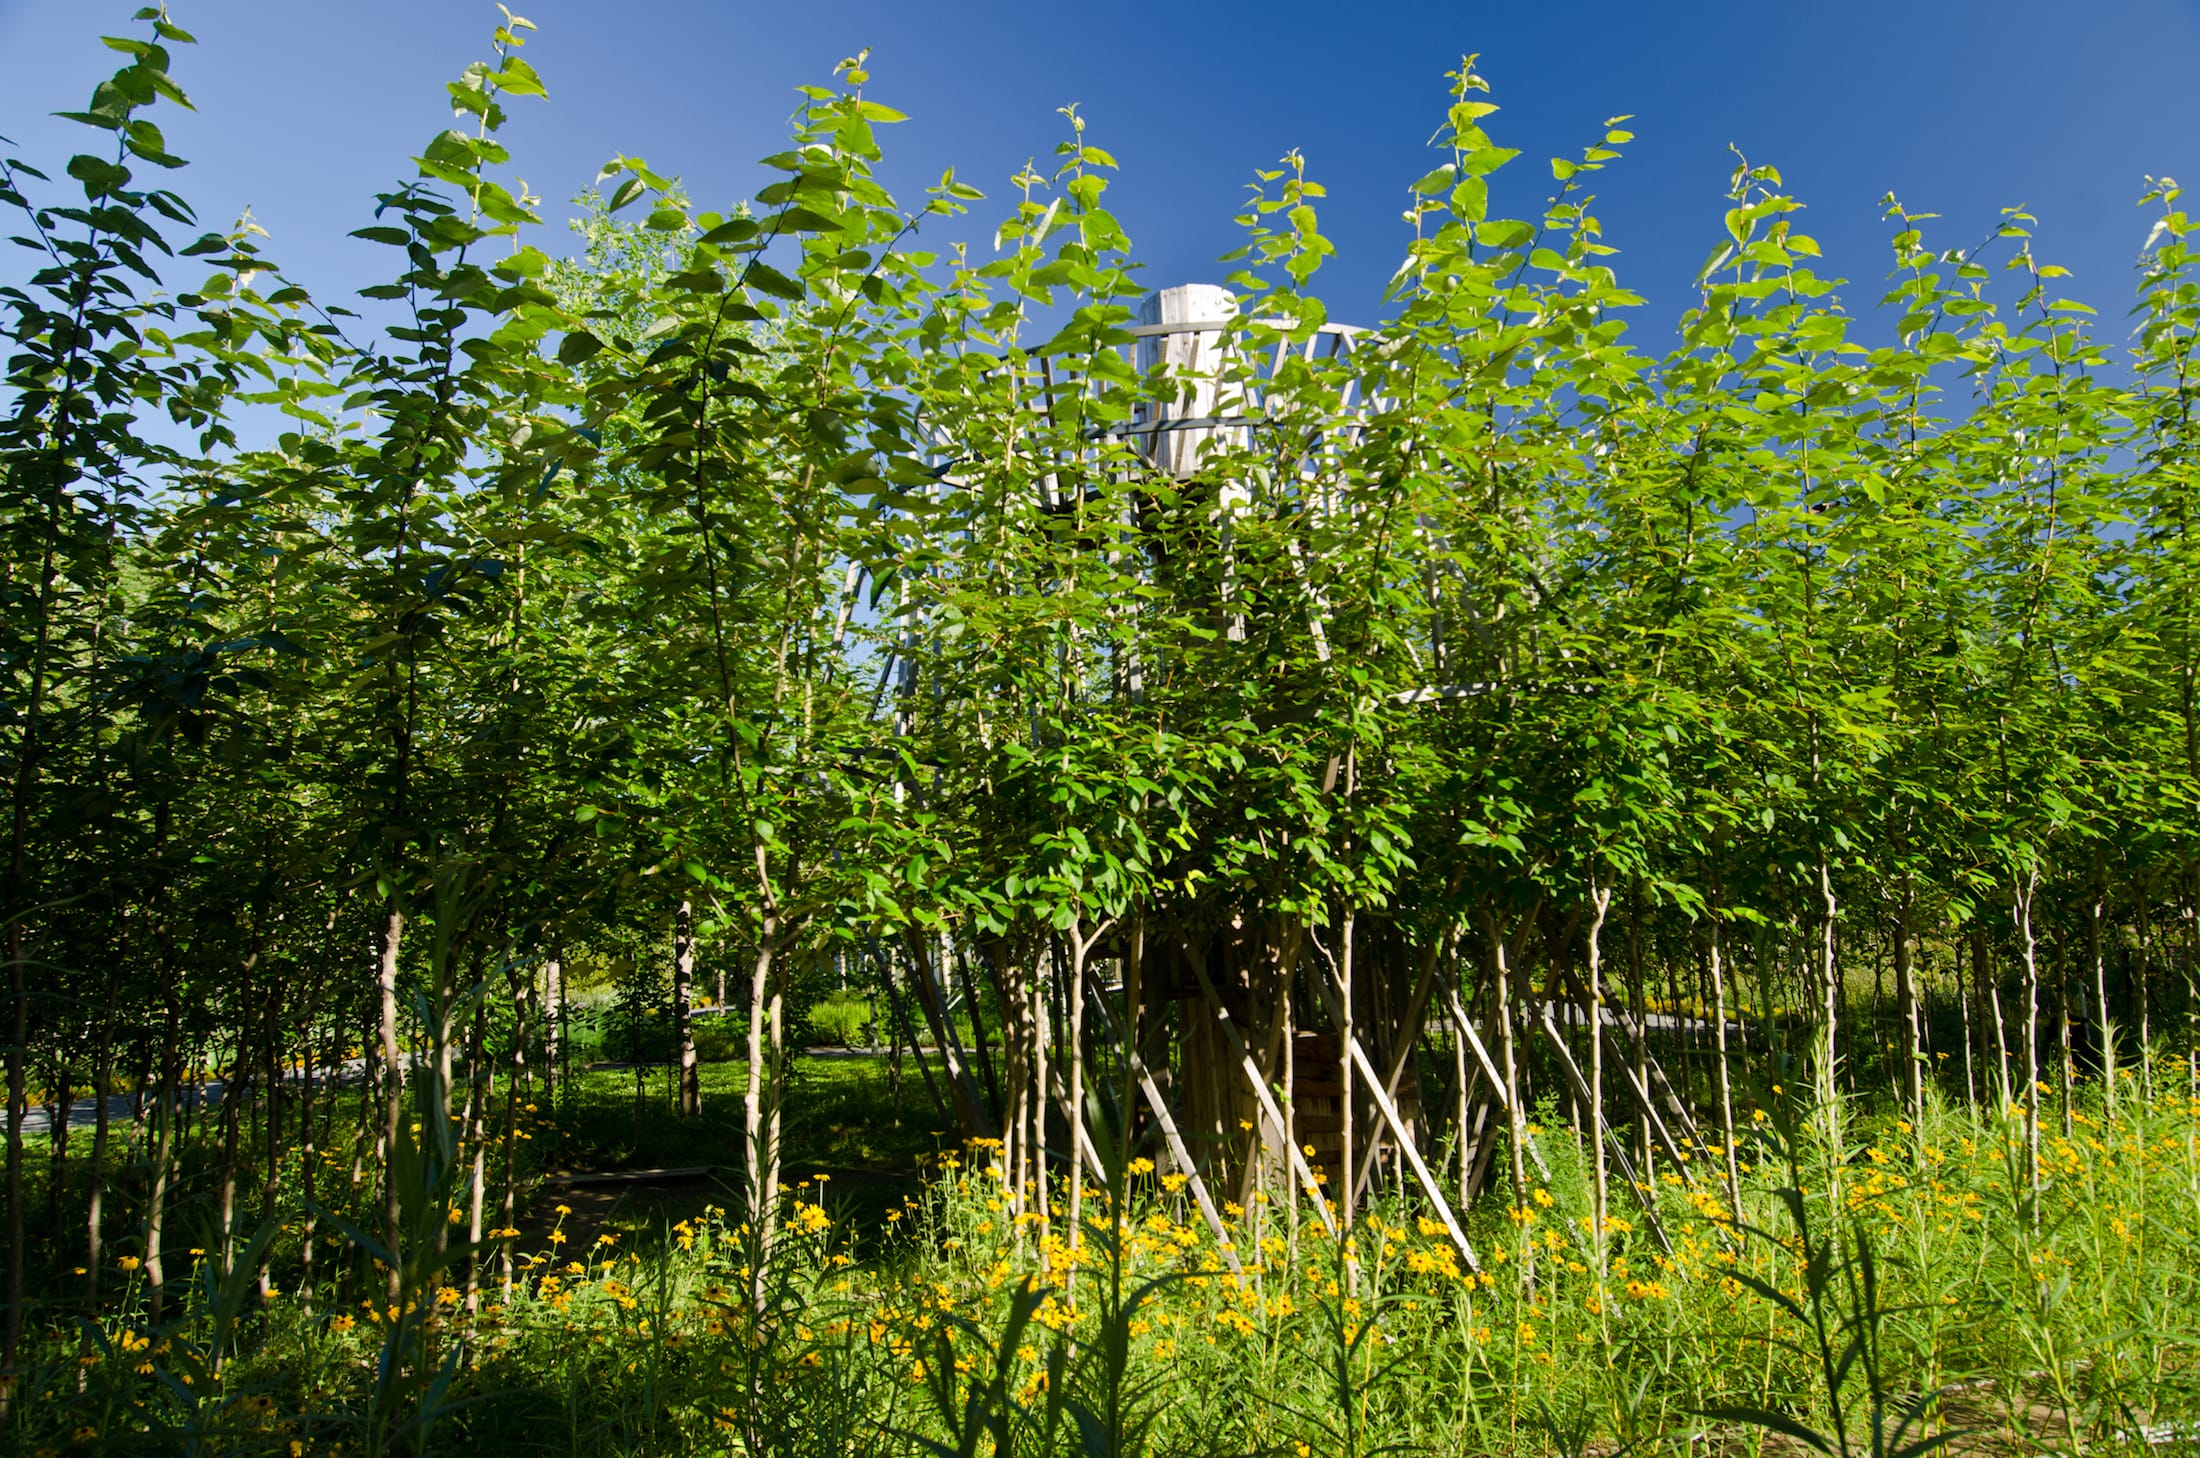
{"points": [[1191, 359]]}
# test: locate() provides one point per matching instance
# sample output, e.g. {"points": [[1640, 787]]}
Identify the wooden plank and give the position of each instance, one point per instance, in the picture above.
{"points": [[1184, 1164], [1617, 1020], [1410, 1026]]}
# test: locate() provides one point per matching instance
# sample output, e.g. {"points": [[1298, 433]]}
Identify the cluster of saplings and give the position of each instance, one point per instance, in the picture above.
{"points": [[1255, 747]]}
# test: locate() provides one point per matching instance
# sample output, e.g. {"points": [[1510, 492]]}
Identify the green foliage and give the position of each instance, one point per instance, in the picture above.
{"points": [[842, 1020], [761, 571]]}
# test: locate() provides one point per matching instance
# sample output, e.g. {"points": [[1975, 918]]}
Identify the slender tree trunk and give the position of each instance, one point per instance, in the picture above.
{"points": [[1726, 1085], [1041, 1179], [763, 1156], [235, 1087], [1829, 976], [1508, 1054], [1463, 1082], [1014, 999], [2030, 950], [309, 1156], [166, 1112], [393, 1082], [523, 1000], [1645, 1152], [1347, 1104], [683, 1022], [1966, 995], [553, 1023], [236, 1094], [103, 1079], [271, 1134], [776, 1051], [1989, 988], [61, 1102], [2105, 1026], [2139, 993], [1080, 950], [480, 1091], [19, 1027], [1600, 1168], [1905, 994], [1134, 967], [2066, 1056]]}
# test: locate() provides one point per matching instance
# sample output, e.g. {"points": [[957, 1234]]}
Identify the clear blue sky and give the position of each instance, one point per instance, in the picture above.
{"points": [[307, 107]]}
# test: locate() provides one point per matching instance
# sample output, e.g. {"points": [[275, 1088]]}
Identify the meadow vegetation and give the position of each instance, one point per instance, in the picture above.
{"points": [[832, 828]]}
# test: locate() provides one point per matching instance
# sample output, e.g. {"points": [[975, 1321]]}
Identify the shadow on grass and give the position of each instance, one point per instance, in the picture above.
{"points": [[842, 1124]]}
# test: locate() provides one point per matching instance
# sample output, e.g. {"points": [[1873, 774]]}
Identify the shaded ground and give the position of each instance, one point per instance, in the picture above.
{"points": [[619, 1158]]}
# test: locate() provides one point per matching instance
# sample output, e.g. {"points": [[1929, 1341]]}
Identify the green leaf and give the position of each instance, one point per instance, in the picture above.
{"points": [[519, 78], [578, 347], [1434, 182], [526, 263], [767, 279], [802, 220], [735, 231]]}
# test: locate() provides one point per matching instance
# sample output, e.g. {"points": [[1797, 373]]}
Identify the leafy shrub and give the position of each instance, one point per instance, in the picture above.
{"points": [[842, 1020]]}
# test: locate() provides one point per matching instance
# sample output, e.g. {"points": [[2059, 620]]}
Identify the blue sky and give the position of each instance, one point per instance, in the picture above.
{"points": [[307, 107]]}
